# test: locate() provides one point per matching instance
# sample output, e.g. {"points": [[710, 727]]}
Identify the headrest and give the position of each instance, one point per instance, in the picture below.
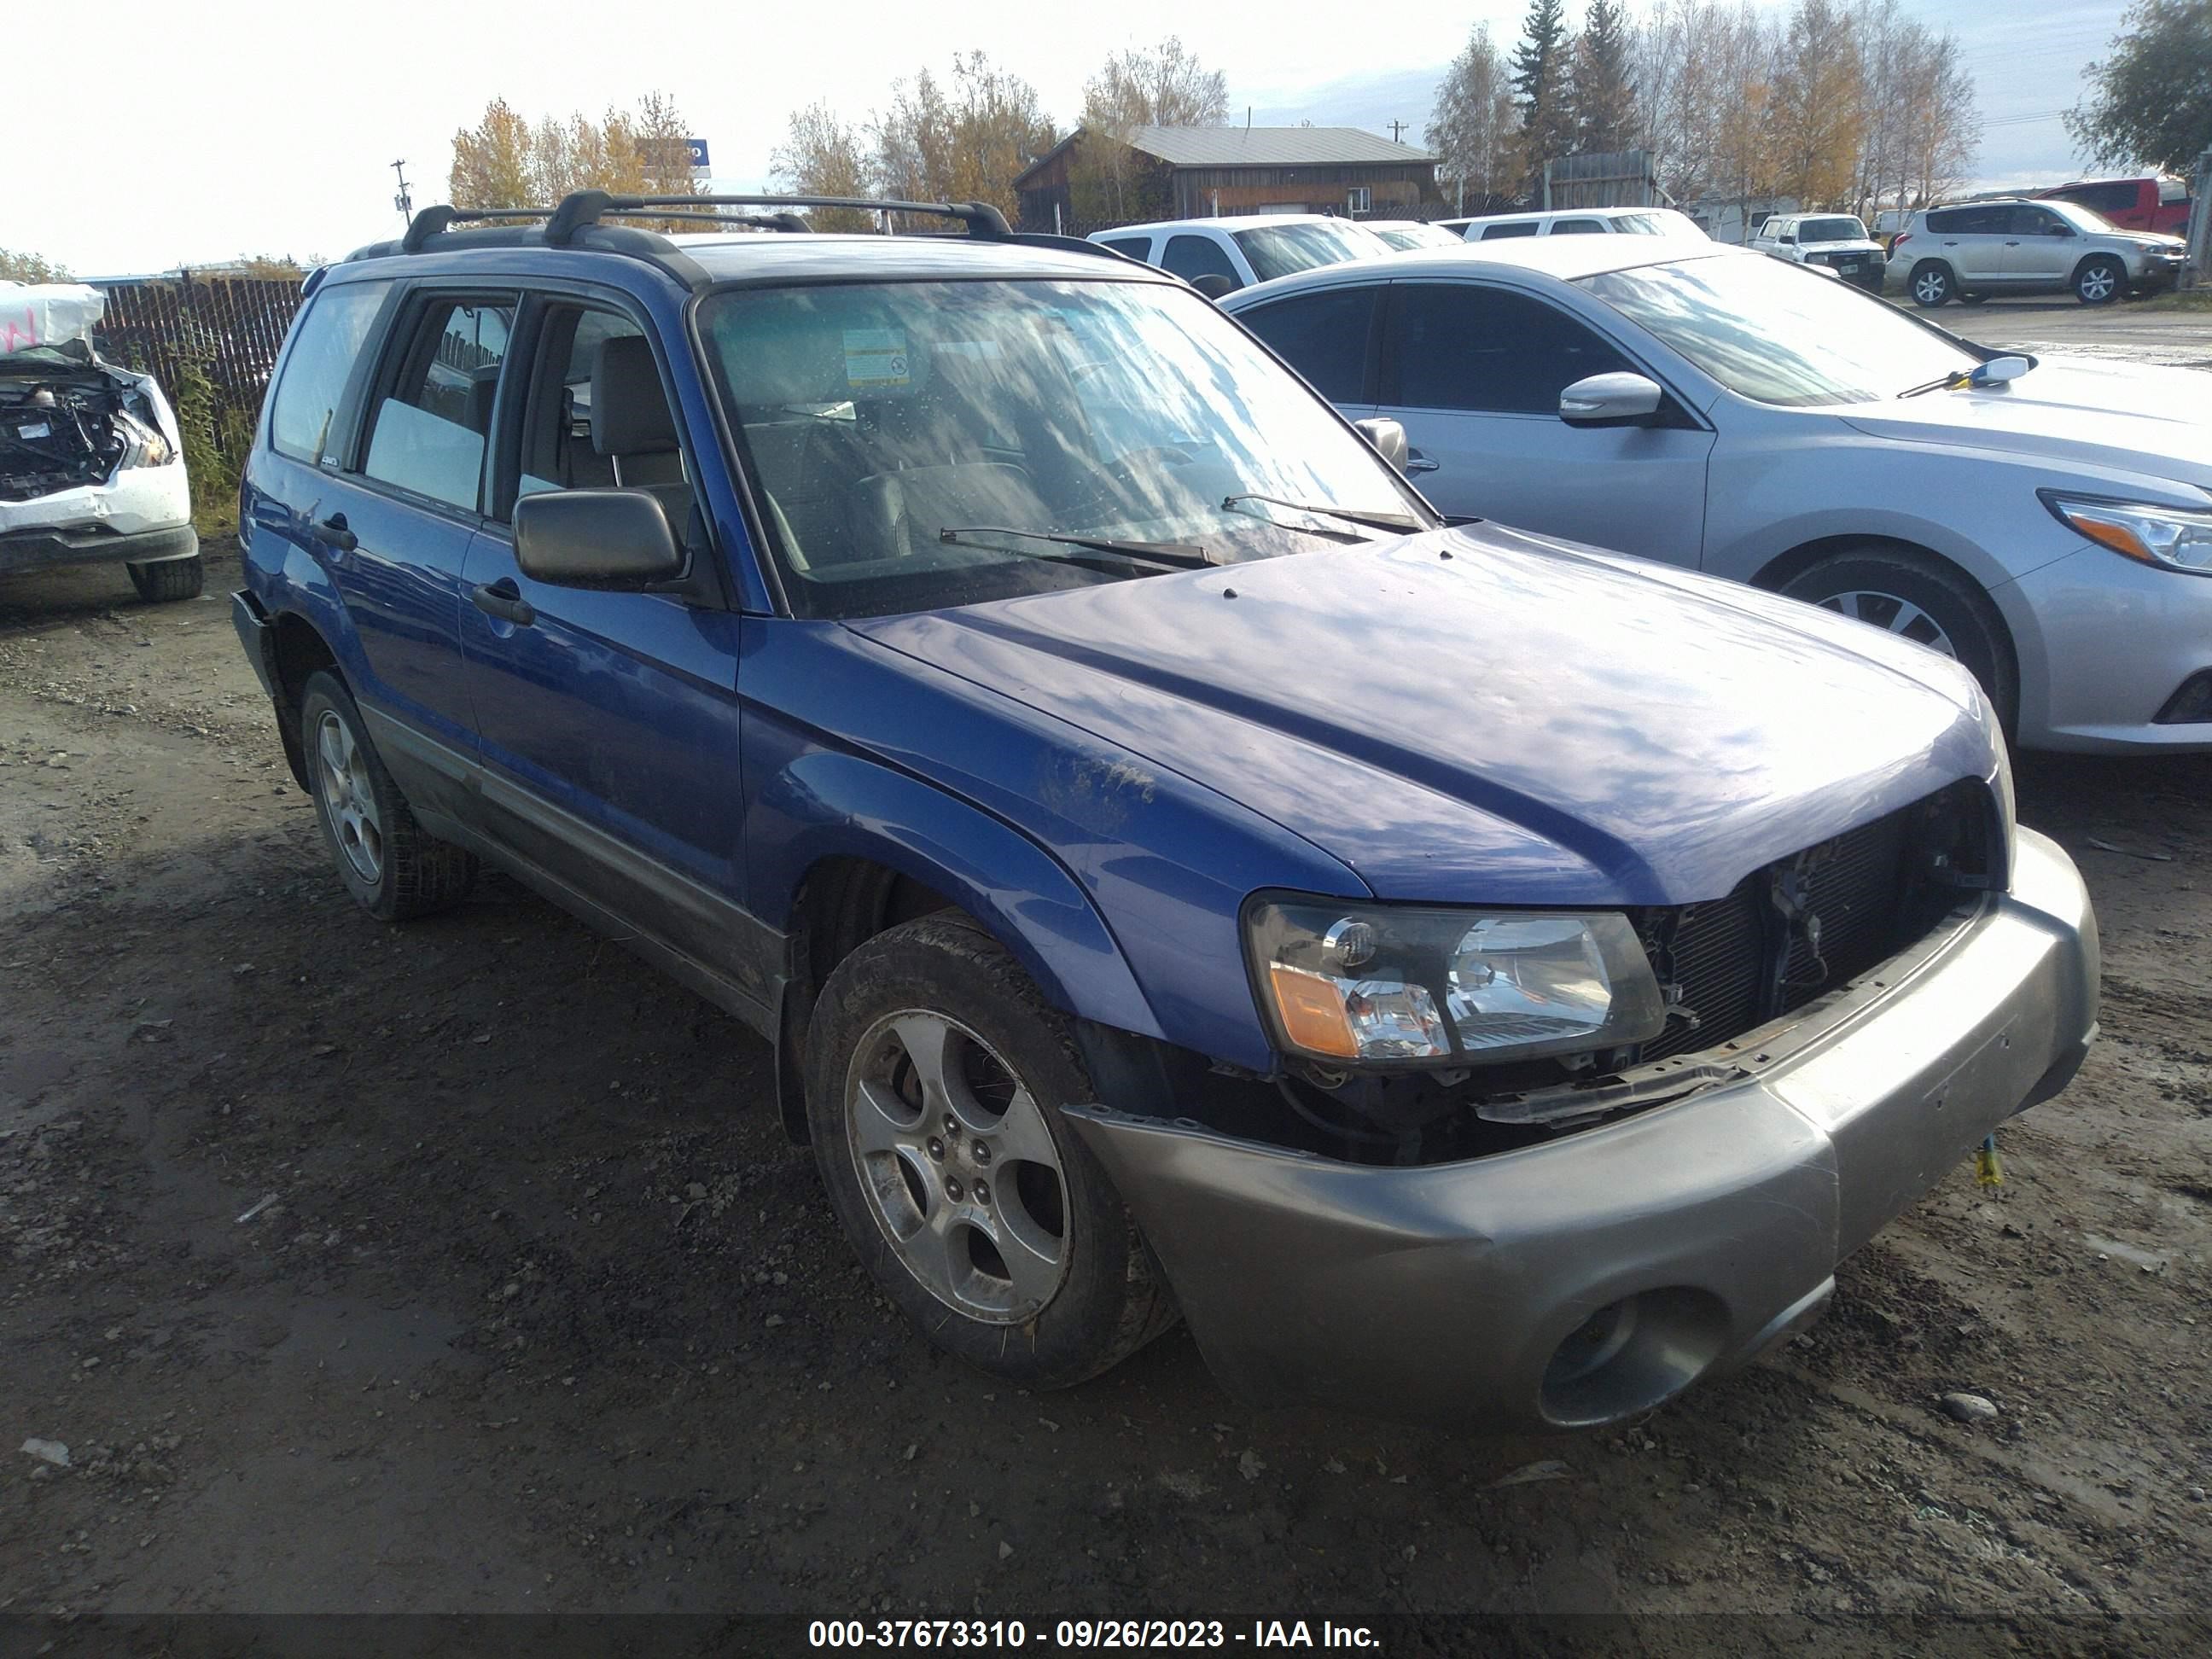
{"points": [[629, 412], [816, 349]]}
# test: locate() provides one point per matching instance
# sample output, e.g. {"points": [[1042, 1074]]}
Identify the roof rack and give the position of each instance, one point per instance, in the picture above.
{"points": [[588, 207], [581, 210]]}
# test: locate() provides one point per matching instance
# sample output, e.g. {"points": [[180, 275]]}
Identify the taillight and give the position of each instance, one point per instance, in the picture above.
{"points": [[1903, 237]]}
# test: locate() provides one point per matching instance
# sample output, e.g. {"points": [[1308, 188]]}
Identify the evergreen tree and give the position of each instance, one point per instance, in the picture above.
{"points": [[1541, 68], [1602, 88]]}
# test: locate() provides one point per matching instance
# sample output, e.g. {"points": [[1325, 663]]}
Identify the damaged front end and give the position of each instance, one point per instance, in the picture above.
{"points": [[90, 468], [69, 422]]}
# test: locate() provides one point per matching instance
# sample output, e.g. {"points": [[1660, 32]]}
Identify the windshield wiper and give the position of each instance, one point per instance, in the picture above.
{"points": [[1171, 554], [1399, 521], [2016, 363]]}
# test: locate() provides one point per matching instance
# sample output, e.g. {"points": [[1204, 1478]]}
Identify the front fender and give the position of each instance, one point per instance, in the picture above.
{"points": [[830, 804]]}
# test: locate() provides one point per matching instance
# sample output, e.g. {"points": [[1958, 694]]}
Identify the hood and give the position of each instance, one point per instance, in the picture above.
{"points": [[1479, 714], [2134, 417]]}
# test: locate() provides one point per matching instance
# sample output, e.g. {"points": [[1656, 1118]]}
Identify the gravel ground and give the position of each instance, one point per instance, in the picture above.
{"points": [[462, 1267], [2130, 332]]}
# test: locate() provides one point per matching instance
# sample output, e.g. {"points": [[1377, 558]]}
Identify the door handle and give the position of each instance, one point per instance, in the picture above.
{"points": [[2012, 244], [1416, 462], [503, 600], [332, 532]]}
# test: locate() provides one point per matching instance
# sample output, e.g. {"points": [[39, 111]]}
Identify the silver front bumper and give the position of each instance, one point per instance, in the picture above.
{"points": [[1584, 1280]]}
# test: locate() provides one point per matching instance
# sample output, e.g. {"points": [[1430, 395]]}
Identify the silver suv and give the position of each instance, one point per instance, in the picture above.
{"points": [[1982, 248], [1836, 241]]}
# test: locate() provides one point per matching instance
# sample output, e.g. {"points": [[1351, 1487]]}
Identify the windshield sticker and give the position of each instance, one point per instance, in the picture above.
{"points": [[875, 358], [985, 349]]}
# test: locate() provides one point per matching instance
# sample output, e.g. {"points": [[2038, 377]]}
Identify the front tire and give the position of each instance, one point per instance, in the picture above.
{"points": [[1930, 284], [2100, 281], [935, 1074], [172, 579], [1923, 600], [394, 870]]}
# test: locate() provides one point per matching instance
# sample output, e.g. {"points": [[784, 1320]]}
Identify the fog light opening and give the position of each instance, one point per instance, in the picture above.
{"points": [[1631, 1355], [2191, 705]]}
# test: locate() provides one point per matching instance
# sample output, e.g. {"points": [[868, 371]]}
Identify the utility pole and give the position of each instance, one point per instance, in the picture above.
{"points": [[1397, 128], [403, 201]]}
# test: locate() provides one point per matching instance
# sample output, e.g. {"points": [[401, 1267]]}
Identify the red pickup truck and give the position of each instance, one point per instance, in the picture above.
{"points": [[2159, 204]]}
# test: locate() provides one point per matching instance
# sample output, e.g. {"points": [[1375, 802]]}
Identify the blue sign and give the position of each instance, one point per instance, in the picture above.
{"points": [[698, 147]]}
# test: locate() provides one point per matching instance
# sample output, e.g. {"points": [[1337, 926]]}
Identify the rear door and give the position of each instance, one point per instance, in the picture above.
{"points": [[608, 719], [1972, 239], [390, 508], [1473, 373], [1329, 335]]}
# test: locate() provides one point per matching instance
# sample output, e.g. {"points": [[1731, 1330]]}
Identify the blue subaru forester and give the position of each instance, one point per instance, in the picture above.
{"points": [[1467, 976]]}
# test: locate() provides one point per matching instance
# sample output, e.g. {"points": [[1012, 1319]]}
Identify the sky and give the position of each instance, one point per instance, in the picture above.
{"points": [[194, 134]]}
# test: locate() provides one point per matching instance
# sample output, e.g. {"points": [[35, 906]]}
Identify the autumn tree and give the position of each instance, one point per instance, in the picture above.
{"points": [[824, 155], [1542, 90], [963, 142], [506, 160], [1602, 84], [1473, 127], [2150, 100], [31, 268], [1816, 111], [1162, 86]]}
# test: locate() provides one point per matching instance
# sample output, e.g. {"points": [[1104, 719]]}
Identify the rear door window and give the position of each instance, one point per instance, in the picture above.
{"points": [[302, 412], [1468, 346], [1971, 222], [434, 420], [1577, 227], [1500, 233], [1323, 336], [1192, 257], [1137, 247]]}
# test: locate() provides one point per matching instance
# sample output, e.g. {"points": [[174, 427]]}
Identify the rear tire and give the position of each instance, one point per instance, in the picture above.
{"points": [[394, 870], [2100, 279], [172, 579], [1916, 596], [929, 1042], [1930, 284]]}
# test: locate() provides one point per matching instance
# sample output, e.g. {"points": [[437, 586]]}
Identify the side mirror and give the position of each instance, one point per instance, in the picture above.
{"points": [[1610, 400], [2058, 230], [1213, 284], [1387, 437], [1999, 370], [595, 538]]}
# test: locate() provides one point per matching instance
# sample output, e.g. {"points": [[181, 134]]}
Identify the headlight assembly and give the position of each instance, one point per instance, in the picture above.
{"points": [[2171, 537], [1368, 984]]}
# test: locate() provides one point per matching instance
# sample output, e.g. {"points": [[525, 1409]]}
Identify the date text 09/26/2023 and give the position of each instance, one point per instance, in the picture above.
{"points": [[990, 1634]]}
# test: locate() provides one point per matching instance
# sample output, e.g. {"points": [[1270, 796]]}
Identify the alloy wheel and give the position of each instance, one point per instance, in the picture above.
{"points": [[1930, 288], [1894, 615], [958, 1168], [2097, 284], [349, 797]]}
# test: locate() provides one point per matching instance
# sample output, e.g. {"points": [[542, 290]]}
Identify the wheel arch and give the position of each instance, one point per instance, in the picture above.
{"points": [[880, 847], [1786, 567], [298, 650], [2094, 256]]}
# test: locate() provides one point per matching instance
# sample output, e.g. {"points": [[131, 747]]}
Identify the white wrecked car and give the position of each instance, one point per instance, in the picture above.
{"points": [[90, 471]]}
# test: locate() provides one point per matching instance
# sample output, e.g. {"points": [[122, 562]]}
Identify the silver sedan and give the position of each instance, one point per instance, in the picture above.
{"points": [[2047, 523]]}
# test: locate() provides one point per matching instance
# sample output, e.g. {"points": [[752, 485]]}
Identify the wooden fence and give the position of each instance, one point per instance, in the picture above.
{"points": [[230, 328]]}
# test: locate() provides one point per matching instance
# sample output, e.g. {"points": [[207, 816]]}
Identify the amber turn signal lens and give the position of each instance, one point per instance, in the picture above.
{"points": [[1312, 1010]]}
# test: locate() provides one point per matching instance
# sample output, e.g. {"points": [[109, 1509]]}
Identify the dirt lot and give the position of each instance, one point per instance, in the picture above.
{"points": [[464, 1266], [2131, 331]]}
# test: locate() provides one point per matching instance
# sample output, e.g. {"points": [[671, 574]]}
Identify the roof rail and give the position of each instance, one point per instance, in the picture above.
{"points": [[588, 207], [433, 221]]}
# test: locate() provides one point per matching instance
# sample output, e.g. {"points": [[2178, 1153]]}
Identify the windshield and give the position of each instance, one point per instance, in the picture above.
{"points": [[1830, 230], [1410, 236], [875, 418], [1279, 250], [2081, 218], [1780, 333]]}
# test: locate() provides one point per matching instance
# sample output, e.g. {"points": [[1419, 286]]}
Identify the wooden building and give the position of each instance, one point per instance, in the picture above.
{"points": [[1188, 173]]}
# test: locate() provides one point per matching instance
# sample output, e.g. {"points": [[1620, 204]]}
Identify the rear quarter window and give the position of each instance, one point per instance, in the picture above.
{"points": [[323, 351]]}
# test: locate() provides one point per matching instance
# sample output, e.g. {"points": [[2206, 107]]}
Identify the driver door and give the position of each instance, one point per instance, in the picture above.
{"points": [[1474, 374]]}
